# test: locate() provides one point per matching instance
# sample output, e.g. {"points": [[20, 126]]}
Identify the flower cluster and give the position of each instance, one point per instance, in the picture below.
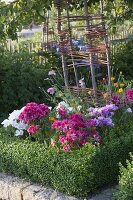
{"points": [[63, 109], [129, 96], [126, 98], [34, 111], [33, 129], [76, 132], [13, 120], [103, 115]]}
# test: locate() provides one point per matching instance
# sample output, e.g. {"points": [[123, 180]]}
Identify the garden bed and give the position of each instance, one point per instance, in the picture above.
{"points": [[74, 173]]}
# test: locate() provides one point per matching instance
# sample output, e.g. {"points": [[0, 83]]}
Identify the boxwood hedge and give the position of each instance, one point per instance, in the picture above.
{"points": [[75, 173], [125, 181]]}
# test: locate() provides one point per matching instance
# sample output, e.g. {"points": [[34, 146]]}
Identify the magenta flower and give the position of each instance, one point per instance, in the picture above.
{"points": [[129, 96], [77, 130], [63, 139], [62, 111], [34, 111], [83, 142], [67, 148], [33, 129]]}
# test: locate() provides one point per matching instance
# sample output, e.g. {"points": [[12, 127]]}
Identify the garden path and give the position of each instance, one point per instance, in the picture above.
{"points": [[14, 188]]}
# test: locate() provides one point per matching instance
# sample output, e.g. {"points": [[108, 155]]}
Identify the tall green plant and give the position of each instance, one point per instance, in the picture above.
{"points": [[21, 77]]}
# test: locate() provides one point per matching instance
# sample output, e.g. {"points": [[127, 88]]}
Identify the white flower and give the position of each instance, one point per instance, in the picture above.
{"points": [[14, 115], [50, 107], [79, 108], [81, 82], [52, 73], [14, 121], [129, 110], [19, 132], [63, 104], [66, 106], [19, 125], [6, 123]]}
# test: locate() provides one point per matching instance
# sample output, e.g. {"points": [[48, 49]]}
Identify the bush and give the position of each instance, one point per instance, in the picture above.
{"points": [[126, 181], [123, 58], [76, 173], [21, 75]]}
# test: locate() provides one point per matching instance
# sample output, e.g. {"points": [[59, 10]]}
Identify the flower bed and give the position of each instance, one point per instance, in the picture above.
{"points": [[72, 147], [75, 173]]}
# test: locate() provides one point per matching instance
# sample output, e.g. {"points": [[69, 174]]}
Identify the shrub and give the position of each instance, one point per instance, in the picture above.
{"points": [[21, 75], [126, 181], [123, 58], [75, 173]]}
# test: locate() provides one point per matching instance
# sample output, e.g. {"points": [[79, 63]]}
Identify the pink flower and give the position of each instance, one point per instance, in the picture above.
{"points": [[97, 137], [83, 142], [53, 143], [129, 95], [67, 148], [34, 111], [76, 131], [33, 129], [62, 111], [57, 125], [116, 99], [62, 139], [51, 90]]}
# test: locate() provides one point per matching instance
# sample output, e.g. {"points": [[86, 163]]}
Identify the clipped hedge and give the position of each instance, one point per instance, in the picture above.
{"points": [[75, 173]]}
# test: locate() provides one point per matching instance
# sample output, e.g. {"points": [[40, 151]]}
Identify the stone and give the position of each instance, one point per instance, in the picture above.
{"points": [[13, 188]]}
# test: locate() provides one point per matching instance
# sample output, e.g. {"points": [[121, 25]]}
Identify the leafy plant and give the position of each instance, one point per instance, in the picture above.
{"points": [[126, 181], [21, 77], [123, 58]]}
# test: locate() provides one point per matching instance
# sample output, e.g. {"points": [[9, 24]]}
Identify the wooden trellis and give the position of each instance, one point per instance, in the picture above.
{"points": [[96, 36], [48, 34]]}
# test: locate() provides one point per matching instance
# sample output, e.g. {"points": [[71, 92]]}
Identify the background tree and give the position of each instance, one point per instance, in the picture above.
{"points": [[22, 13]]}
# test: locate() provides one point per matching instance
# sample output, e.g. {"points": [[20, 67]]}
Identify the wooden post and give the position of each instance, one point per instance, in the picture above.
{"points": [[70, 40], [91, 55], [64, 66], [47, 30], [107, 50]]}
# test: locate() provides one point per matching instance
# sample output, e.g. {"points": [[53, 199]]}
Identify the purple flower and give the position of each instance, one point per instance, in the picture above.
{"points": [[111, 107], [51, 90], [107, 121], [105, 111]]}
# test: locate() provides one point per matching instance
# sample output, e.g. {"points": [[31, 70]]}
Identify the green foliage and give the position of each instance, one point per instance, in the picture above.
{"points": [[21, 75], [117, 12], [75, 173], [123, 58], [126, 181], [15, 15]]}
